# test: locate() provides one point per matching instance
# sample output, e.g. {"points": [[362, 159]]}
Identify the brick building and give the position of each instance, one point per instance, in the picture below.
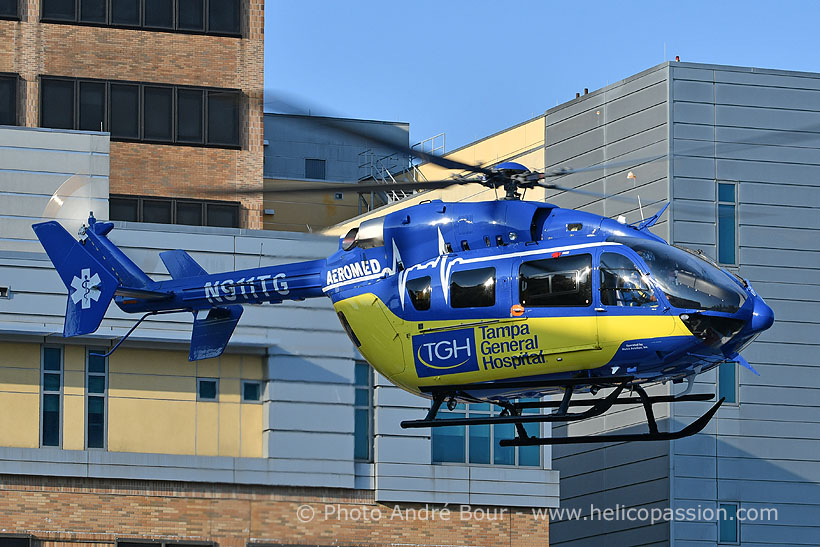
{"points": [[178, 84]]}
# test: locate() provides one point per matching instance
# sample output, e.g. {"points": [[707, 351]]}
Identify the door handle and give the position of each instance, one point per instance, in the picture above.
{"points": [[600, 309]]}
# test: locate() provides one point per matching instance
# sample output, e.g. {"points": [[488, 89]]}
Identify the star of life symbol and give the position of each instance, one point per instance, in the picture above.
{"points": [[85, 288]]}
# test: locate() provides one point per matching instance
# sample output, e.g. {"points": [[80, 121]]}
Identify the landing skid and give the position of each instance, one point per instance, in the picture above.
{"points": [[512, 413]]}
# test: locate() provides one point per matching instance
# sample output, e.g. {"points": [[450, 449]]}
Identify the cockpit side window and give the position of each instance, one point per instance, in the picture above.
{"points": [[622, 283], [473, 288], [420, 292], [561, 281]]}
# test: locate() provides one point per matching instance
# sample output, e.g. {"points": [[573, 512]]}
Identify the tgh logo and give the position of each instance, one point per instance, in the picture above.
{"points": [[447, 352]]}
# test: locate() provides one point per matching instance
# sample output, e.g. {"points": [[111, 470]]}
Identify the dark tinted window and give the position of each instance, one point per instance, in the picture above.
{"points": [[125, 12], [58, 9], [160, 13], [473, 288], [622, 283], [191, 15], [92, 106], [562, 281], [251, 391], [420, 292], [207, 389], [96, 422], [189, 115], [223, 16], [226, 216], [223, 117], [315, 169], [57, 104], [157, 104], [189, 213], [125, 111], [123, 209], [92, 11], [156, 211], [8, 8], [8, 100]]}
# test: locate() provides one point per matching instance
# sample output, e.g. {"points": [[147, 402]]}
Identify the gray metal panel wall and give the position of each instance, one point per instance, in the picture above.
{"points": [[761, 129], [292, 139], [36, 164], [623, 121], [626, 120]]}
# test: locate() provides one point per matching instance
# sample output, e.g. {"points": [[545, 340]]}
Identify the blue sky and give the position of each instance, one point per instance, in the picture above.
{"points": [[471, 68]]}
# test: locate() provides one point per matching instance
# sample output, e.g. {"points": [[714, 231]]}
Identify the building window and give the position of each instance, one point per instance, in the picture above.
{"points": [[473, 288], [8, 99], [363, 413], [727, 382], [15, 540], [164, 114], [220, 214], [220, 17], [478, 444], [251, 391], [315, 169], [207, 389], [9, 9], [96, 389], [728, 525], [52, 382], [727, 223], [562, 281]]}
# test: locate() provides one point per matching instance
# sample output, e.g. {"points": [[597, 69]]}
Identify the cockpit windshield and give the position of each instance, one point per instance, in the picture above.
{"points": [[687, 280]]}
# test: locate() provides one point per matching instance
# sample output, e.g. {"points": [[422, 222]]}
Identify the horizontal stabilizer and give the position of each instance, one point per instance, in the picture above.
{"points": [[212, 330], [90, 286], [180, 264]]}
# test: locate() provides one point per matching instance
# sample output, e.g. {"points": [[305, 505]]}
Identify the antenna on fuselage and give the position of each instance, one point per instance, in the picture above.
{"points": [[634, 178]]}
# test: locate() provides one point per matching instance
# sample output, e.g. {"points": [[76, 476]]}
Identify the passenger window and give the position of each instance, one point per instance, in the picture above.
{"points": [[562, 281], [622, 284], [473, 288], [419, 291]]}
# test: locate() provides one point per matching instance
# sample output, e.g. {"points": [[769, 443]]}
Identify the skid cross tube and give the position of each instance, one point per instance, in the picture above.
{"points": [[653, 435], [512, 414]]}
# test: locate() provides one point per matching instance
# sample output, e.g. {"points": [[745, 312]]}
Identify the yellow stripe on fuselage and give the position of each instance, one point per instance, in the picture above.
{"points": [[504, 348]]}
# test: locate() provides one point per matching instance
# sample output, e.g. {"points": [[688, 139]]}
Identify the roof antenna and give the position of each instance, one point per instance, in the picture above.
{"points": [[631, 176]]}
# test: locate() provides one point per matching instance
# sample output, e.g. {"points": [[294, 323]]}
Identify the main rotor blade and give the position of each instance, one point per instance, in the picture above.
{"points": [[608, 165], [309, 188], [338, 125]]}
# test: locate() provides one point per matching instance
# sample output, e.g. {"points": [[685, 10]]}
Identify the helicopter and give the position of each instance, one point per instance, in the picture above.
{"points": [[482, 302]]}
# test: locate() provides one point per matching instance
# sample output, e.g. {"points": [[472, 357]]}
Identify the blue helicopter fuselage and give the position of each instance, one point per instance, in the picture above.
{"points": [[459, 293]]}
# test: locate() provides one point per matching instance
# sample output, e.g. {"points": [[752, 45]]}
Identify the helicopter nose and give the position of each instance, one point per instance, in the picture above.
{"points": [[762, 316]]}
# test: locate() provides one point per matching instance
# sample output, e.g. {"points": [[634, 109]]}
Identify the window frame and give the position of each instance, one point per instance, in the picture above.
{"points": [[735, 389], [60, 394], [236, 205], [108, 113], [324, 168], [15, 79], [370, 389], [463, 408], [88, 394], [15, 17], [239, 33], [259, 383], [735, 521], [735, 221], [201, 379], [645, 279]]}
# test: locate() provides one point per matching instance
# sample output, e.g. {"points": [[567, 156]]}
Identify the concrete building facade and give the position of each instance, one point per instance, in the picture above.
{"points": [[740, 166], [287, 438], [177, 84]]}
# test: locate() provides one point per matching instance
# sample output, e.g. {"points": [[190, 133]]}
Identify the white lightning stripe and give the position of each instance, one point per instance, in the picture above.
{"points": [[441, 261]]}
